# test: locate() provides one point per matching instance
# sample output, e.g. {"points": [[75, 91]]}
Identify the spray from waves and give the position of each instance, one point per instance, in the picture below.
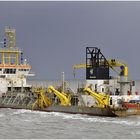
{"points": [[21, 111], [112, 121], [30, 115], [120, 121], [24, 111]]}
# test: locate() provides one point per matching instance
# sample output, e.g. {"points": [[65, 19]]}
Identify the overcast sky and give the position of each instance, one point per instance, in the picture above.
{"points": [[53, 35]]}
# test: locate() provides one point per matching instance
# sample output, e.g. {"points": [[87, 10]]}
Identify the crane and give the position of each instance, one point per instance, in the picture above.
{"points": [[113, 64], [42, 100], [64, 99], [116, 63], [103, 99]]}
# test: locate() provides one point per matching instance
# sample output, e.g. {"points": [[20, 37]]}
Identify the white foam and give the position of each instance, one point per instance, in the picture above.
{"points": [[27, 120], [119, 121], [2, 115], [23, 111], [20, 111], [85, 118]]}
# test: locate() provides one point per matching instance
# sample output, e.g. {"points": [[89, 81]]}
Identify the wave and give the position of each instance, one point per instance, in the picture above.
{"points": [[2, 115], [97, 119], [120, 121], [24, 111], [20, 111]]}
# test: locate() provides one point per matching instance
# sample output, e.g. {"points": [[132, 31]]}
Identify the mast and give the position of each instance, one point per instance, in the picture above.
{"points": [[11, 37], [9, 53]]}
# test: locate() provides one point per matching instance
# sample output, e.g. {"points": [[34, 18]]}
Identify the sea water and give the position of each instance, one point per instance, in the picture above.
{"points": [[19, 124]]}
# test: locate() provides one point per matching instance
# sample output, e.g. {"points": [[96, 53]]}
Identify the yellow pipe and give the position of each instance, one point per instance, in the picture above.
{"points": [[9, 59], [126, 71], [63, 98], [103, 100], [17, 58]]}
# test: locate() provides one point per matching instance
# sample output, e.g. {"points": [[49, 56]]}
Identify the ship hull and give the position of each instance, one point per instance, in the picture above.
{"points": [[94, 111], [127, 112]]}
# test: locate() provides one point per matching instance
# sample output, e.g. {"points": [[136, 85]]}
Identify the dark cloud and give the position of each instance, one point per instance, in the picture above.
{"points": [[53, 35]]}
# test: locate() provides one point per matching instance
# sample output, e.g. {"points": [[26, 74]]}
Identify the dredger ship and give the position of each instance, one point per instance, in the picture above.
{"points": [[100, 95]]}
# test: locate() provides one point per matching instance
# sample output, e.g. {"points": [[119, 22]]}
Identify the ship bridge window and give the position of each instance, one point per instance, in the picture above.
{"points": [[13, 71], [2, 76], [9, 71], [26, 69], [23, 69]]}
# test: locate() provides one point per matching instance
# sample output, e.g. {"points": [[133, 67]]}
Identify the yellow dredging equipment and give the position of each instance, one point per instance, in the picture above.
{"points": [[102, 98], [65, 100], [42, 100]]}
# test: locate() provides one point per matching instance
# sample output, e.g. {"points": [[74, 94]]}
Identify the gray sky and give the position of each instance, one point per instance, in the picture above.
{"points": [[53, 35]]}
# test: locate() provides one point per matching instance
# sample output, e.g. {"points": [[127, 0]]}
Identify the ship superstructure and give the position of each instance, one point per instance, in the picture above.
{"points": [[14, 69]]}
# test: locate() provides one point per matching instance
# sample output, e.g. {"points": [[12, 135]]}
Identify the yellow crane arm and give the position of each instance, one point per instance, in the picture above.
{"points": [[116, 63], [103, 100], [63, 99], [45, 99], [42, 100], [78, 66], [112, 64]]}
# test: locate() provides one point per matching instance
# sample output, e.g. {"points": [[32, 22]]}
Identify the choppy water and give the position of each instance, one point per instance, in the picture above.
{"points": [[34, 124]]}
